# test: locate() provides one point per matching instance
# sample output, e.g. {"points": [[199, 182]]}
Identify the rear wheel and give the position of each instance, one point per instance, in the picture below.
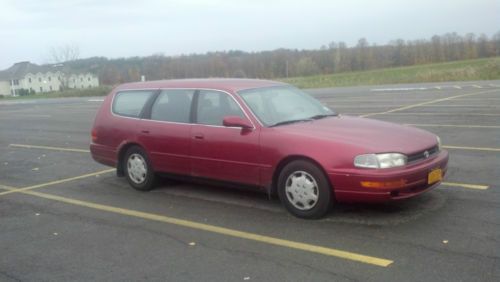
{"points": [[137, 168], [304, 190]]}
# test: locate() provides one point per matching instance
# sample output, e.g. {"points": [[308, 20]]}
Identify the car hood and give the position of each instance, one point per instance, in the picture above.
{"points": [[371, 136]]}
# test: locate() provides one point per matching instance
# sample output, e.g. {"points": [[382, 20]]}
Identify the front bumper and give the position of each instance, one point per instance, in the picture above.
{"points": [[347, 182]]}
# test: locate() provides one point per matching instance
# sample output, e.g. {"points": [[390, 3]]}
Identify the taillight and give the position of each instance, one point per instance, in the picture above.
{"points": [[94, 135]]}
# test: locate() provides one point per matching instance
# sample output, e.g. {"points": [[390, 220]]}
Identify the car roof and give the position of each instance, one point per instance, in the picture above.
{"points": [[226, 84]]}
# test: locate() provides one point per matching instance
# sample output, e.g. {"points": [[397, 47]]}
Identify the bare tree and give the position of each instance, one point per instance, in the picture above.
{"points": [[64, 53], [61, 54]]}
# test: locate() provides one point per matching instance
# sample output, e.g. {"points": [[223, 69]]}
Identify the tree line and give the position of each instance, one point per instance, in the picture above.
{"points": [[335, 57]]}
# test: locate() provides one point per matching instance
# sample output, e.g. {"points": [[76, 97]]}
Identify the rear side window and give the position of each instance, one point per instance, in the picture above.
{"points": [[173, 106], [130, 103]]}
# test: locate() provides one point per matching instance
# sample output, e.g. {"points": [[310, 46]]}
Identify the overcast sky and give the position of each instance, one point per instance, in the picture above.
{"points": [[122, 28]]}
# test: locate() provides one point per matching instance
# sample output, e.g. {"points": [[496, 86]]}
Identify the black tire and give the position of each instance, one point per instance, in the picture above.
{"points": [[322, 189], [148, 177]]}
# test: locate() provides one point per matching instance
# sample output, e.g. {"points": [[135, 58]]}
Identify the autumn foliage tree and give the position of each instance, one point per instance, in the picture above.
{"points": [[336, 57]]}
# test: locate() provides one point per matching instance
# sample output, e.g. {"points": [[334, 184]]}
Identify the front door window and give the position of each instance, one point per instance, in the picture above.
{"points": [[213, 106]]}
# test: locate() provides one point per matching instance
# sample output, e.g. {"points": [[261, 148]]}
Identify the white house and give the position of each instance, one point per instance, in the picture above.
{"points": [[40, 79]]}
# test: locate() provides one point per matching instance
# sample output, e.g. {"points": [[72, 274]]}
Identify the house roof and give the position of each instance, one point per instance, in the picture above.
{"points": [[19, 70]]}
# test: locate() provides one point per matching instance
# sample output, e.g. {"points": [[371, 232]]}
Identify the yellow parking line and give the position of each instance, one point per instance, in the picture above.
{"points": [[195, 225], [427, 103], [453, 125], [219, 230], [54, 182], [6, 187], [472, 148], [464, 185], [49, 148]]}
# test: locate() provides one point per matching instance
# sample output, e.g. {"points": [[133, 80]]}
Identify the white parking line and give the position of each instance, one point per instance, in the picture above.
{"points": [[427, 103], [399, 89], [95, 100], [438, 87], [453, 125], [10, 116]]}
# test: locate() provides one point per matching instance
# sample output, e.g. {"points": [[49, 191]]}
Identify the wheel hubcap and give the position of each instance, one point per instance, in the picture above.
{"points": [[137, 169], [302, 190]]}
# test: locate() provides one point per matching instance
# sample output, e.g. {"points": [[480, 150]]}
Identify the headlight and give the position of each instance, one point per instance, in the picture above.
{"points": [[380, 160], [439, 142]]}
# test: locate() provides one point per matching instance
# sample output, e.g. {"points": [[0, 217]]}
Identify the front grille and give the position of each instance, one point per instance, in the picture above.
{"points": [[422, 155]]}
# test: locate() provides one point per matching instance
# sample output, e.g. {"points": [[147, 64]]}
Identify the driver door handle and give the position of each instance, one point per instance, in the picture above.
{"points": [[199, 136]]}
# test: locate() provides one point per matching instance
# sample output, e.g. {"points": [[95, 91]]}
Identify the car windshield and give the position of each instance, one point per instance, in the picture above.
{"points": [[279, 105]]}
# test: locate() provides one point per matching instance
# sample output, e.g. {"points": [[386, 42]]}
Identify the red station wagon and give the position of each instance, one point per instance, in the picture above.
{"points": [[265, 134]]}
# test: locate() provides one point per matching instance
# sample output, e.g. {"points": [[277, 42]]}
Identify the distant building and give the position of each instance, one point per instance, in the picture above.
{"points": [[40, 79]]}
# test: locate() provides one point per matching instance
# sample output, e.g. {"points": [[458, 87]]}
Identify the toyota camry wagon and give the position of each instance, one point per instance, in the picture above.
{"points": [[263, 134]]}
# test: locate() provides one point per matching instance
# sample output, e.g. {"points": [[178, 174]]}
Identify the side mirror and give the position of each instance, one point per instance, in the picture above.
{"points": [[236, 121]]}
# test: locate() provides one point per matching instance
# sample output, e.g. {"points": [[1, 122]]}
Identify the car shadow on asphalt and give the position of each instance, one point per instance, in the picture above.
{"points": [[388, 213]]}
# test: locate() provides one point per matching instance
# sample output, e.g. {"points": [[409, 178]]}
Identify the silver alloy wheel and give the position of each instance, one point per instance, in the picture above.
{"points": [[137, 168], [301, 190]]}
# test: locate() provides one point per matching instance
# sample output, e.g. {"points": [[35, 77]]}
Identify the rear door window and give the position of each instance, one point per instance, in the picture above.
{"points": [[130, 103], [173, 106]]}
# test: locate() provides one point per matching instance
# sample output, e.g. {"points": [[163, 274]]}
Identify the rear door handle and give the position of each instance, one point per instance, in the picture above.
{"points": [[198, 136], [145, 131]]}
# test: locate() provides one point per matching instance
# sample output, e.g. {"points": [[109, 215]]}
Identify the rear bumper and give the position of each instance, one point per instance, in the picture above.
{"points": [[103, 154], [347, 182]]}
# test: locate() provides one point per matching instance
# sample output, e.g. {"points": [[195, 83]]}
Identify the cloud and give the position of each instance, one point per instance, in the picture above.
{"points": [[117, 28]]}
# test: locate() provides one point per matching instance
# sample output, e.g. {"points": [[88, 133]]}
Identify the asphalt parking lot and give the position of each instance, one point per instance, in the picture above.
{"points": [[65, 217]]}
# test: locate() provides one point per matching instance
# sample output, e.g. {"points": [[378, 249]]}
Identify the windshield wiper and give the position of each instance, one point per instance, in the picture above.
{"points": [[290, 121], [304, 119], [323, 116]]}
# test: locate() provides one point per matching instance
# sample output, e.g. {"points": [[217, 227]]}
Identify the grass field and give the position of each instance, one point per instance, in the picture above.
{"points": [[86, 92], [480, 69]]}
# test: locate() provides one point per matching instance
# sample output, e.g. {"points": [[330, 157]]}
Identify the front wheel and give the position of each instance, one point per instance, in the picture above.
{"points": [[304, 190], [138, 170]]}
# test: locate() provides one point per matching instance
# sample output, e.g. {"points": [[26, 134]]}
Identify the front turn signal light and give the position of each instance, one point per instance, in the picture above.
{"points": [[384, 184]]}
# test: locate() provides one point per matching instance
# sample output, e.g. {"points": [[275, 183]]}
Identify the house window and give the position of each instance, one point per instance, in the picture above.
{"points": [[50, 87], [29, 79], [88, 78], [50, 78], [16, 81], [41, 89], [39, 79], [81, 79]]}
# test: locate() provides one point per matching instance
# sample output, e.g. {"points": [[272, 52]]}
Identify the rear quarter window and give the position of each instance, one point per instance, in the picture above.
{"points": [[130, 103]]}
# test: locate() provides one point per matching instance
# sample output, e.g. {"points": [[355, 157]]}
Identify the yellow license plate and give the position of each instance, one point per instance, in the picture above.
{"points": [[435, 176]]}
